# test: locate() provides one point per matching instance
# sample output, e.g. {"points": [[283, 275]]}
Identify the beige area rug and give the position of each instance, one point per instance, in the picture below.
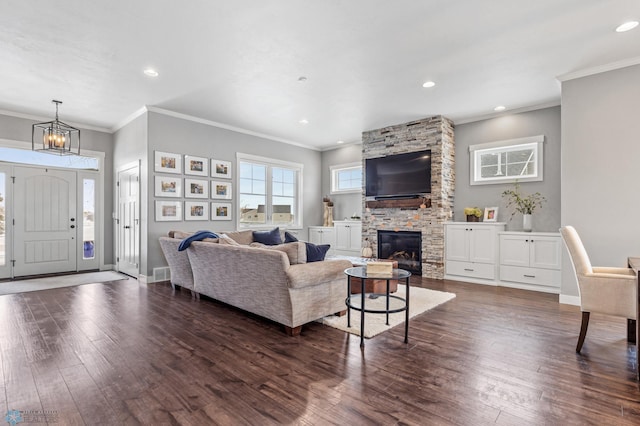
{"points": [[35, 284], [420, 301]]}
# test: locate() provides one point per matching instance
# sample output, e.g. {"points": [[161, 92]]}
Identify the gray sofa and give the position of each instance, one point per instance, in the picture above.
{"points": [[261, 279]]}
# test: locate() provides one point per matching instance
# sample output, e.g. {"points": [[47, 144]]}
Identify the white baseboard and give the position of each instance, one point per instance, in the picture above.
{"points": [[108, 267], [565, 299]]}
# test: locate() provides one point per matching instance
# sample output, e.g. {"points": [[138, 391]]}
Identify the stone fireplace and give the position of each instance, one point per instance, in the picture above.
{"points": [[402, 246], [425, 216]]}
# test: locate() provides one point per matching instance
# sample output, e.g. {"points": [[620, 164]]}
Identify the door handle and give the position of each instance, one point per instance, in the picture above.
{"points": [[127, 227]]}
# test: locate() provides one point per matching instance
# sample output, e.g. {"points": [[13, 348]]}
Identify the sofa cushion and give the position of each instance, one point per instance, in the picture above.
{"points": [[270, 238], [289, 237], [316, 253], [227, 240], [295, 251], [241, 237]]}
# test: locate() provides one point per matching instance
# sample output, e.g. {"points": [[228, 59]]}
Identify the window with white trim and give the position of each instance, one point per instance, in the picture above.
{"points": [[507, 161], [346, 178], [269, 192]]}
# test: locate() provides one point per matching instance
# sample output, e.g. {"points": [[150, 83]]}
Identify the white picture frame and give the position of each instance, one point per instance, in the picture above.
{"points": [[168, 186], [490, 214], [221, 190], [168, 211], [221, 169], [167, 162], [196, 166], [196, 188], [196, 210], [221, 211]]}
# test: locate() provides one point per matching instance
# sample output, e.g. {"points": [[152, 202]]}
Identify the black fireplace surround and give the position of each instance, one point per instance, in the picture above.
{"points": [[403, 246]]}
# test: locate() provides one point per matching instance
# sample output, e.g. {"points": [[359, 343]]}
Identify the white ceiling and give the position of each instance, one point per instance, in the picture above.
{"points": [[238, 62]]}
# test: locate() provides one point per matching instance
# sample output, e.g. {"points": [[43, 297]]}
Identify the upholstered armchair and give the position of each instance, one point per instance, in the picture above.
{"points": [[609, 291]]}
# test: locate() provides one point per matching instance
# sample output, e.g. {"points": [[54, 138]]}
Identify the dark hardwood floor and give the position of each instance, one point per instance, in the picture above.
{"points": [[127, 353]]}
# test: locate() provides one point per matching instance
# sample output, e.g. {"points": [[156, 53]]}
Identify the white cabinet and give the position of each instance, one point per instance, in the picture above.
{"points": [[323, 235], [348, 237], [531, 260], [471, 251]]}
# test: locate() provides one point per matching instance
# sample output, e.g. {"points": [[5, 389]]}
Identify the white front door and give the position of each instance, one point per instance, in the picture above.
{"points": [[45, 230], [128, 258], [5, 221]]}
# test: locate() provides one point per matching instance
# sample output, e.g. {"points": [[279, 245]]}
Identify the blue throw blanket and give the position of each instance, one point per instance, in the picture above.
{"points": [[198, 236]]}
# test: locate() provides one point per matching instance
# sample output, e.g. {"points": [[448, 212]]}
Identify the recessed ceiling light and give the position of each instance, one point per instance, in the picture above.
{"points": [[304, 121], [151, 72], [340, 142], [428, 84], [627, 26], [302, 79], [500, 108]]}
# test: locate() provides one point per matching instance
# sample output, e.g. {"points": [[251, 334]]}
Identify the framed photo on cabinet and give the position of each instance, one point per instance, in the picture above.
{"points": [[221, 190], [221, 169], [196, 210], [167, 162], [220, 211], [490, 214], [168, 186], [197, 166], [168, 211], [196, 188]]}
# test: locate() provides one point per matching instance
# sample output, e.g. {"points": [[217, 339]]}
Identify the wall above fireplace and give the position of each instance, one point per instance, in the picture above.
{"points": [[424, 215]]}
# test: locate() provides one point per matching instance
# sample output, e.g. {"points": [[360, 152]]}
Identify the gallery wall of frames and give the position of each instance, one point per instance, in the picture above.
{"points": [[185, 186]]}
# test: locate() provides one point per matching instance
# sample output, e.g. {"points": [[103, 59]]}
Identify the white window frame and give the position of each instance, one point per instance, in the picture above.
{"points": [[335, 170], [498, 147], [270, 163]]}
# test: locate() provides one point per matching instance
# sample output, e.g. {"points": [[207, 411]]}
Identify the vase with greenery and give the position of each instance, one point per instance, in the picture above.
{"points": [[525, 204], [473, 214]]}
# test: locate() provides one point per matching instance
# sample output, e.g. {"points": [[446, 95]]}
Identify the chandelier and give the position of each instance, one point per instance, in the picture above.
{"points": [[57, 137]]}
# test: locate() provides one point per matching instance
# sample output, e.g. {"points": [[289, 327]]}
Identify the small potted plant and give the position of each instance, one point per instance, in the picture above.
{"points": [[525, 204], [473, 214]]}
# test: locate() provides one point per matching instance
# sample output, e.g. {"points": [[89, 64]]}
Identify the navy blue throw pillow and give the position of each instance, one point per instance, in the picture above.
{"points": [[269, 238], [289, 237], [316, 253], [198, 236]]}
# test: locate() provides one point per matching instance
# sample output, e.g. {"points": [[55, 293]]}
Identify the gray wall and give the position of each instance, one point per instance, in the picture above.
{"points": [[180, 136], [130, 146], [539, 122], [600, 152], [345, 205], [19, 129]]}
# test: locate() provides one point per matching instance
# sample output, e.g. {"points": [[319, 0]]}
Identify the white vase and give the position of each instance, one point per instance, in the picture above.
{"points": [[527, 222]]}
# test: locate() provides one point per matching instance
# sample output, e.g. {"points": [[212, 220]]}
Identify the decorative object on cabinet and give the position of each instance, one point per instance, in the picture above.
{"points": [[196, 188], [168, 186], [490, 214], [325, 210], [525, 204], [167, 162], [330, 213], [367, 251], [221, 169], [198, 166], [473, 214], [220, 211], [221, 190], [168, 211], [196, 210]]}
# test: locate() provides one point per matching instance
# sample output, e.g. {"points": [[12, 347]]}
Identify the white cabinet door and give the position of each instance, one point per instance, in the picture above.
{"points": [[343, 236], [546, 252], [457, 243], [355, 236], [482, 244], [322, 235], [514, 250], [315, 235]]}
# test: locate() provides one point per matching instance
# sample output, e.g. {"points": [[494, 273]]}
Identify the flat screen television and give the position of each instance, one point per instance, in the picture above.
{"points": [[398, 176]]}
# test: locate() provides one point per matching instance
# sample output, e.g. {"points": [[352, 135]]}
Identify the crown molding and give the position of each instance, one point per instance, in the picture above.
{"points": [[42, 118], [129, 119], [599, 69], [508, 112]]}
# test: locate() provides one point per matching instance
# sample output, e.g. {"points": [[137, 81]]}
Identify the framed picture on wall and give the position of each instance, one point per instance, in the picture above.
{"points": [[198, 166], [167, 162], [196, 188], [168, 211], [221, 190], [168, 186], [221, 169], [220, 211], [196, 210], [490, 214]]}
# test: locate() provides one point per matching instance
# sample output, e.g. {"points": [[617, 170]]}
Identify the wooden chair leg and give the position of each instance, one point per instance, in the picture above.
{"points": [[631, 330], [293, 331], [583, 330]]}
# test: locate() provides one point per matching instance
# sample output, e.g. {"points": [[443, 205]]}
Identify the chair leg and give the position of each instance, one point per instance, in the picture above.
{"points": [[583, 330], [631, 330]]}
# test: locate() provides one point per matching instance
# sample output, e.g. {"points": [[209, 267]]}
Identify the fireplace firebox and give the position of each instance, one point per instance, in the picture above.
{"points": [[403, 246]]}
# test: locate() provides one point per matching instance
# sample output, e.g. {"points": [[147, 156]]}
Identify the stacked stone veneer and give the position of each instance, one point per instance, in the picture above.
{"points": [[436, 134]]}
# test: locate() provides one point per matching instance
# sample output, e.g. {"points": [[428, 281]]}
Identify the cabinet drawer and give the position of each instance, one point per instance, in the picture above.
{"points": [[534, 276], [470, 269]]}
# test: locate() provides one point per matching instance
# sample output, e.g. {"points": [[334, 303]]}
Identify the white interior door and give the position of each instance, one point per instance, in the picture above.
{"points": [[6, 253], [45, 230], [128, 258]]}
